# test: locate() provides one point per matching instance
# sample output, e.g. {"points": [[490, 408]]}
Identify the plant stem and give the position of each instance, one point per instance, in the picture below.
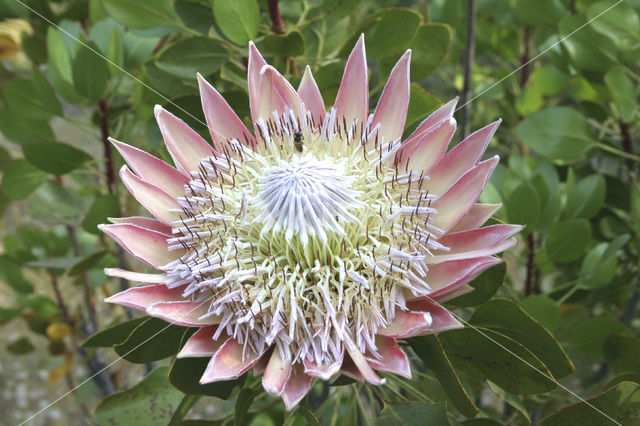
{"points": [[110, 171], [529, 283], [524, 59], [276, 18], [467, 63]]}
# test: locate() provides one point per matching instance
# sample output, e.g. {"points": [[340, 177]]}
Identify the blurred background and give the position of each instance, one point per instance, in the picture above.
{"points": [[74, 72]]}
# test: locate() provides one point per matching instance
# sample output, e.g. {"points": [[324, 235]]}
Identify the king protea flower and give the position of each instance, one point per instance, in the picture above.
{"points": [[307, 248]]}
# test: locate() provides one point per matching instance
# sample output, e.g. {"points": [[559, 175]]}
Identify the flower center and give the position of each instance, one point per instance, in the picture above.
{"points": [[307, 198]]}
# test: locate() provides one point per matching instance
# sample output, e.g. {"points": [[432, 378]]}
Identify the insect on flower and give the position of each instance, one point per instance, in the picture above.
{"points": [[306, 263]]}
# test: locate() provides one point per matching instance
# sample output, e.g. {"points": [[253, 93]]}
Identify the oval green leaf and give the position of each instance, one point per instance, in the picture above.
{"points": [[54, 157], [558, 132], [20, 179], [239, 20], [567, 241], [150, 402]]}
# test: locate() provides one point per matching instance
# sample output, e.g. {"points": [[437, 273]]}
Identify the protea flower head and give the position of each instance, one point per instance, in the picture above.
{"points": [[306, 248]]}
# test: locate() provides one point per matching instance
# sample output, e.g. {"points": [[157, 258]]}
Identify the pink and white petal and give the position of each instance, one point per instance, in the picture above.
{"points": [[156, 201], [362, 366], [393, 359], [136, 276], [477, 239], [490, 250], [477, 215], [322, 371], [141, 297], [185, 313], [153, 169], [143, 222], [149, 246], [223, 123], [446, 277], [428, 149], [442, 319], [186, 147], [456, 202], [352, 101], [201, 344], [276, 374], [461, 158], [406, 324], [296, 387], [391, 111], [443, 113], [254, 66], [455, 292], [311, 96], [276, 94], [229, 362]]}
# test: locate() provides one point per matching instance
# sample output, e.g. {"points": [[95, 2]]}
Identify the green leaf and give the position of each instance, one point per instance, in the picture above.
{"points": [[549, 80], [142, 14], [24, 99], [622, 403], [623, 92], [485, 286], [488, 354], [430, 351], [152, 340], [186, 372], [59, 60], [188, 401], [103, 207], [566, 241], [621, 351], [22, 129], [290, 44], [598, 270], [21, 179], [150, 402], [388, 32], [90, 72], [113, 335], [20, 346], [587, 198], [5, 158], [243, 404], [191, 55], [618, 22], [413, 414], [54, 157], [88, 262], [53, 263], [588, 49], [11, 275], [430, 47], [239, 20], [523, 206], [558, 132], [543, 309], [7, 315], [589, 336], [539, 12], [45, 92], [506, 317]]}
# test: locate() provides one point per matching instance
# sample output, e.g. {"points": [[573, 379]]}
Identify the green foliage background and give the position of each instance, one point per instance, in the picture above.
{"points": [[565, 307]]}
